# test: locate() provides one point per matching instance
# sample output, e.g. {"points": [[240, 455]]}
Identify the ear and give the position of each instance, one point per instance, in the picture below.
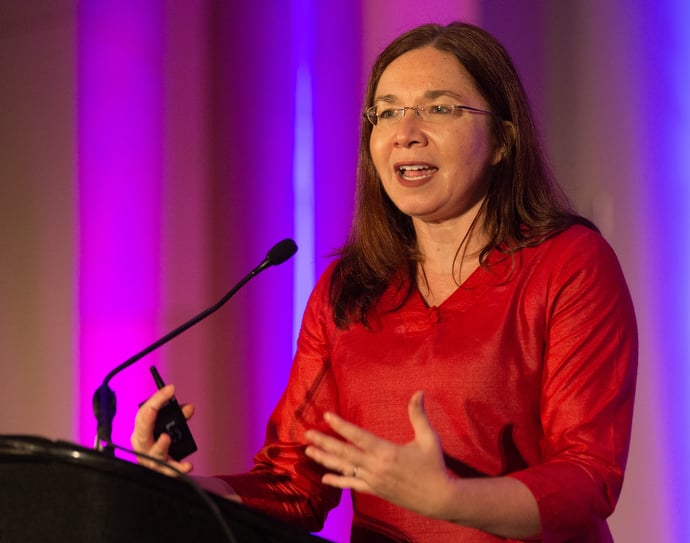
{"points": [[503, 147]]}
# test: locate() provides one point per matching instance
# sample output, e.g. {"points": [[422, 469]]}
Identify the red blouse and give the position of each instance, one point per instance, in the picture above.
{"points": [[528, 370]]}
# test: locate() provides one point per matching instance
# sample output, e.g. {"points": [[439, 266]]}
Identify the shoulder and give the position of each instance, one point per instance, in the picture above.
{"points": [[575, 263], [581, 266], [323, 283], [320, 299], [577, 247], [576, 238], [318, 325]]}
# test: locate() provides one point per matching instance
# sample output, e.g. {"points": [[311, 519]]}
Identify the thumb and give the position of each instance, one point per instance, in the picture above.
{"points": [[420, 423]]}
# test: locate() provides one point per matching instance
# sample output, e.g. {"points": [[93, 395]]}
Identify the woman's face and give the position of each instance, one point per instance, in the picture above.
{"points": [[433, 171]]}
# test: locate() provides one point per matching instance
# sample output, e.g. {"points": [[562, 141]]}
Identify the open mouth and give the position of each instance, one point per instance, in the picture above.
{"points": [[414, 172]]}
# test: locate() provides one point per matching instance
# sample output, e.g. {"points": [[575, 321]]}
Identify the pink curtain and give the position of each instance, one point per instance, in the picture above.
{"points": [[151, 153]]}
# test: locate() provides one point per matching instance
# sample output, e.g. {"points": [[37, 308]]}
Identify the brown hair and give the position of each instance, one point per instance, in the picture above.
{"points": [[524, 205]]}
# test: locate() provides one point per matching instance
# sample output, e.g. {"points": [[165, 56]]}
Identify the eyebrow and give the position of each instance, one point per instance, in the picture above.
{"points": [[428, 95]]}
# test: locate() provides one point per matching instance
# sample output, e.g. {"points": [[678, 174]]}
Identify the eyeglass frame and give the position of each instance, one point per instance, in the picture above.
{"points": [[371, 111]]}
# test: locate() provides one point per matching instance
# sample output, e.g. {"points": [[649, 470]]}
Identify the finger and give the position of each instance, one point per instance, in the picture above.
{"points": [[188, 410], [354, 434], [161, 447], [331, 445], [345, 474], [160, 397], [340, 481], [329, 461], [418, 418], [334, 454], [184, 467], [160, 451], [142, 435]]}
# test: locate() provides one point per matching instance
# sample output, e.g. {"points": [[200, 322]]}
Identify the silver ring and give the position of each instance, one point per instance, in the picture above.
{"points": [[354, 471]]}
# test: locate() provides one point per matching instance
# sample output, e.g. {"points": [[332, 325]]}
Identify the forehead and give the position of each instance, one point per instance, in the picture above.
{"points": [[417, 72]]}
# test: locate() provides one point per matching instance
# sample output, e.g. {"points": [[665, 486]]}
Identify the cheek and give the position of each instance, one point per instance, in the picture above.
{"points": [[477, 149], [377, 149]]}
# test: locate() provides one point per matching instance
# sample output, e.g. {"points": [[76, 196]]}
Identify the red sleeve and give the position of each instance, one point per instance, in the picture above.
{"points": [[588, 385], [284, 483]]}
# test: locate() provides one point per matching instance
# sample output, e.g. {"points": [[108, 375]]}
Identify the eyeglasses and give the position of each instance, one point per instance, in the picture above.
{"points": [[436, 113]]}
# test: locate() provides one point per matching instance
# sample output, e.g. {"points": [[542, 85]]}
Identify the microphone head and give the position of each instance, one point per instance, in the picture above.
{"points": [[281, 252]]}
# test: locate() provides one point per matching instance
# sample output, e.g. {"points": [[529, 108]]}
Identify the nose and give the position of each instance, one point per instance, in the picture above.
{"points": [[409, 130], [413, 109]]}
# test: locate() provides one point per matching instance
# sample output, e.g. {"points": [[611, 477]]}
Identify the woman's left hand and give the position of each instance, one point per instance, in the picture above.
{"points": [[412, 475]]}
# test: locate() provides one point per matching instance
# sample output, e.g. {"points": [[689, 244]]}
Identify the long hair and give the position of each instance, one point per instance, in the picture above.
{"points": [[524, 206]]}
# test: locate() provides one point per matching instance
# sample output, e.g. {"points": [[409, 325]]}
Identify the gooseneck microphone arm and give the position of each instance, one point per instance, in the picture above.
{"points": [[104, 403]]}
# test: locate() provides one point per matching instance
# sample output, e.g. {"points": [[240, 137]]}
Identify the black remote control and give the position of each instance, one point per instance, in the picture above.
{"points": [[171, 421]]}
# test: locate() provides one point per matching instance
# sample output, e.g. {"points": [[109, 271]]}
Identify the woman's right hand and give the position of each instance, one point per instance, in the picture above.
{"points": [[143, 442], [142, 437]]}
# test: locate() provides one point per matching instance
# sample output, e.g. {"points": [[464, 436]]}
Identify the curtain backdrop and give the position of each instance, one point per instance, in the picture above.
{"points": [[152, 152]]}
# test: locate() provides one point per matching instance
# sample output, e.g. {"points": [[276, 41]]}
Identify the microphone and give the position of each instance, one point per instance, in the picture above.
{"points": [[104, 402]]}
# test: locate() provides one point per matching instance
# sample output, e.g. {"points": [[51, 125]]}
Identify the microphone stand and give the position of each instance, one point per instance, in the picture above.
{"points": [[104, 402]]}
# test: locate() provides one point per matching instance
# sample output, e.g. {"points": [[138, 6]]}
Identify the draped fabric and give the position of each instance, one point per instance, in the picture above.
{"points": [[125, 212]]}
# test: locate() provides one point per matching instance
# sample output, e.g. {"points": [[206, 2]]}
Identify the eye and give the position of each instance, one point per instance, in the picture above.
{"points": [[388, 113], [439, 110]]}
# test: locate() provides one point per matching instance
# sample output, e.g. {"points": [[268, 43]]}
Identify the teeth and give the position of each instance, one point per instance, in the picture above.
{"points": [[413, 168]]}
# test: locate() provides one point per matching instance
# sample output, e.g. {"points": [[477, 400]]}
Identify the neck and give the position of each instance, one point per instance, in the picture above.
{"points": [[444, 245], [450, 254]]}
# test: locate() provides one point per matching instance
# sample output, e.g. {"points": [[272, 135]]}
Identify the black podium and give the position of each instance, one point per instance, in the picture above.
{"points": [[53, 491]]}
